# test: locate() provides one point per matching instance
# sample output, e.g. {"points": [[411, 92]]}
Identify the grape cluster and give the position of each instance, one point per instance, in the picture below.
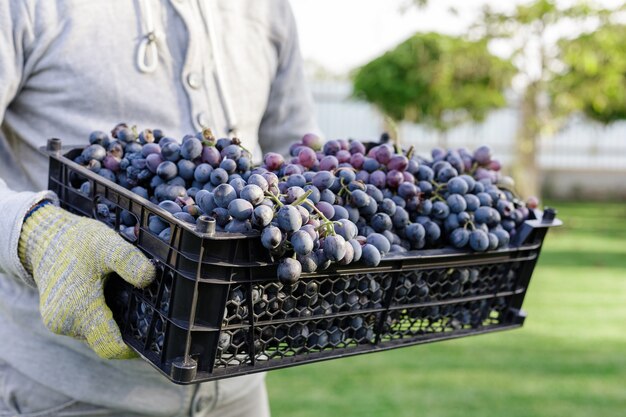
{"points": [[337, 202], [399, 201], [469, 199]]}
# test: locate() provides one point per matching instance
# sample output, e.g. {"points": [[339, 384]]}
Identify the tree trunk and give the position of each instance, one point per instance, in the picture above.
{"points": [[525, 167], [442, 139]]}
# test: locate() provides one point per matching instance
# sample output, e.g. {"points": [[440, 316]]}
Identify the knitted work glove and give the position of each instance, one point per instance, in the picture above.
{"points": [[69, 257]]}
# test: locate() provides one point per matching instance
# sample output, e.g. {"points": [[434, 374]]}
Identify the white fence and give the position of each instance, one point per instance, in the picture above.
{"points": [[580, 147]]}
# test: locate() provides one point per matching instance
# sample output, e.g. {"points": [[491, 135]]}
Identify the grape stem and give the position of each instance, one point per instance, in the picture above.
{"points": [[470, 223], [327, 224], [436, 196], [274, 198], [344, 189], [209, 138], [410, 152], [439, 186], [301, 199]]}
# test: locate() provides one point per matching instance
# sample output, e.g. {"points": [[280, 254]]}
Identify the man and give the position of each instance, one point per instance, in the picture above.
{"points": [[71, 66]]}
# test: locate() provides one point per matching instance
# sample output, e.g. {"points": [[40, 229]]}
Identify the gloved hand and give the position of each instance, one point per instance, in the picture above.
{"points": [[69, 257]]}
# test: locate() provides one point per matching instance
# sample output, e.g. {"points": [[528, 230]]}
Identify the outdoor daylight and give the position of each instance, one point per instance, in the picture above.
{"points": [[552, 106], [313, 208]]}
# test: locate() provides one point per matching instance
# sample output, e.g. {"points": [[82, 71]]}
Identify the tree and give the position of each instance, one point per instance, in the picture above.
{"points": [[593, 78], [437, 80], [529, 29]]}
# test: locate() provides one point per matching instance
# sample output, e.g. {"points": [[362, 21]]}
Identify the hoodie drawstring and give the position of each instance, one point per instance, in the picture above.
{"points": [[148, 52]]}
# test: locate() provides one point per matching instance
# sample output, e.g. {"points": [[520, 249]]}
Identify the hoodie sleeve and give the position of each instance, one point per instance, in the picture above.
{"points": [[15, 37], [290, 113], [14, 206]]}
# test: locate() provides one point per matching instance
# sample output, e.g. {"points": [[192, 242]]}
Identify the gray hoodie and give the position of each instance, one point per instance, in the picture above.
{"points": [[71, 66]]}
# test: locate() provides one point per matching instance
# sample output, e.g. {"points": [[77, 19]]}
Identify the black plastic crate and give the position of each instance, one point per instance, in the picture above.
{"points": [[216, 309]]}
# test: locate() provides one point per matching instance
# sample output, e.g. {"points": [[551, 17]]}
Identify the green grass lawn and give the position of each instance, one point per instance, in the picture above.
{"points": [[569, 359]]}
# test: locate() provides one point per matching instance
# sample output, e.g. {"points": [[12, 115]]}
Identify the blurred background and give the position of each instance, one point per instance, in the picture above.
{"points": [[543, 82]]}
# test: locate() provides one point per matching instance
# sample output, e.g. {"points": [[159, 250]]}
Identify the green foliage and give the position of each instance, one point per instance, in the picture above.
{"points": [[527, 28], [435, 79], [594, 78], [543, 10], [534, 18]]}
